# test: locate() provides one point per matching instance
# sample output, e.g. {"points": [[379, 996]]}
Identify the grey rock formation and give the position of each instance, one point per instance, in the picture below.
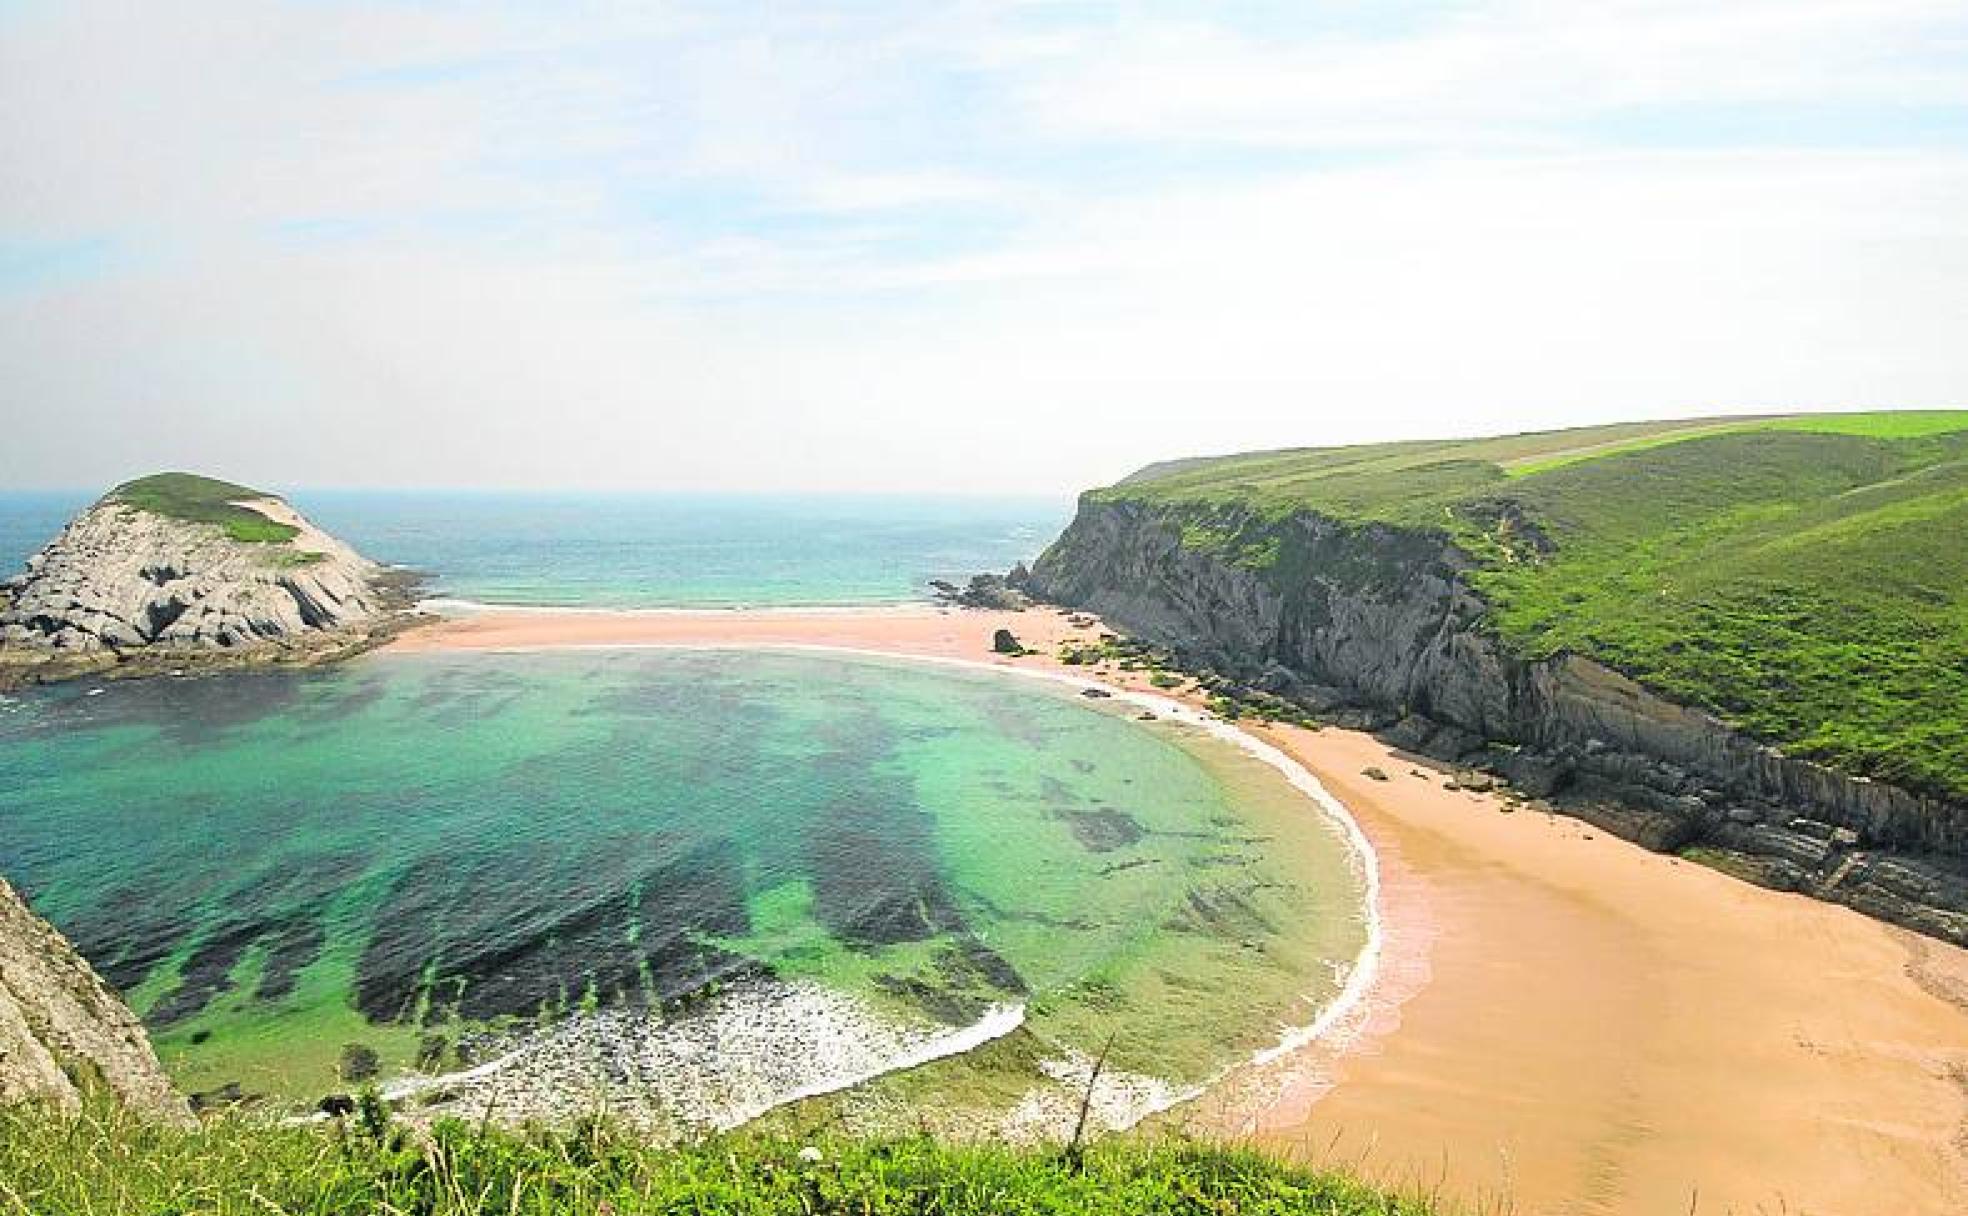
{"points": [[992, 591], [120, 579], [62, 1030], [1380, 628]]}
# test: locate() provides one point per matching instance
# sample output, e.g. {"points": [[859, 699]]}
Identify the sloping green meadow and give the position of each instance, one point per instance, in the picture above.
{"points": [[1805, 577], [402, 851]]}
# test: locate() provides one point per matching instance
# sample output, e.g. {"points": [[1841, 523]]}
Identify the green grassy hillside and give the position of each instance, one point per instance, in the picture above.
{"points": [[1803, 577], [204, 500], [108, 1165]]}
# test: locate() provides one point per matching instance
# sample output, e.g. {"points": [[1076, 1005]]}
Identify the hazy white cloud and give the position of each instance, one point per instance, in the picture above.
{"points": [[986, 247], [1510, 74]]}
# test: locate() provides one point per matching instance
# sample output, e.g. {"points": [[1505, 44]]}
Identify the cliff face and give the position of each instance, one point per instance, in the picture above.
{"points": [[119, 577], [62, 1030], [1379, 625]]}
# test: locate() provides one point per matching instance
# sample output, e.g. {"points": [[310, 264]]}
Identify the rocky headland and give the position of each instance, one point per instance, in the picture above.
{"points": [[63, 1032], [176, 572], [1385, 626]]}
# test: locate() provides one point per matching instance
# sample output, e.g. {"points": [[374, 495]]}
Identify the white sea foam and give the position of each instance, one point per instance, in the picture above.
{"points": [[733, 1057]]}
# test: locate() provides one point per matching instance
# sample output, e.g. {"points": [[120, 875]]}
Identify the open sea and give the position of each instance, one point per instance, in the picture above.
{"points": [[649, 550], [711, 881]]}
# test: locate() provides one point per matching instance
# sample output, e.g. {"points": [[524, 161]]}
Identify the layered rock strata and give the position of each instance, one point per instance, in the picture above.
{"points": [[122, 583], [1378, 627]]}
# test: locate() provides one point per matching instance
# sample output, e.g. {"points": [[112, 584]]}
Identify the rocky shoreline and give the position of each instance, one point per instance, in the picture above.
{"points": [[1384, 634], [21, 668]]}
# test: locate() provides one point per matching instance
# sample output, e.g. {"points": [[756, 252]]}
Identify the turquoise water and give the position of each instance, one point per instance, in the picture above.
{"points": [[276, 864], [649, 551], [423, 853]]}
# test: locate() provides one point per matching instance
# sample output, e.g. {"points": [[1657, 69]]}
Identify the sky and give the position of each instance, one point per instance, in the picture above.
{"points": [[1013, 247]]}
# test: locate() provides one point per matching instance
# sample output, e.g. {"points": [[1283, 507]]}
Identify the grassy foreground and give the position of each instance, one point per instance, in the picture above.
{"points": [[1804, 577], [204, 500], [104, 1163]]}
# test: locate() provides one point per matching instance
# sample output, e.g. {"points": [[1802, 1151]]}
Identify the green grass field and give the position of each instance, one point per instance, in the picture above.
{"points": [[204, 500], [1903, 424], [1805, 577], [105, 1164]]}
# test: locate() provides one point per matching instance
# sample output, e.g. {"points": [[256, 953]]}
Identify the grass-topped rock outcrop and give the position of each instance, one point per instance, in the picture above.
{"points": [[187, 565], [1742, 638]]}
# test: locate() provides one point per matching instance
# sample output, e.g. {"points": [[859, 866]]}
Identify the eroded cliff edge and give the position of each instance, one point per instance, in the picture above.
{"points": [[63, 1032], [1379, 626], [182, 571]]}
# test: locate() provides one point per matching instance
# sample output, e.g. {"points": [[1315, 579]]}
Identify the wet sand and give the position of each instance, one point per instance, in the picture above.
{"points": [[1563, 1022]]}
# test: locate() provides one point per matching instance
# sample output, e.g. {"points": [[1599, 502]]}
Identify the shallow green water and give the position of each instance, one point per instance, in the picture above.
{"points": [[273, 865]]}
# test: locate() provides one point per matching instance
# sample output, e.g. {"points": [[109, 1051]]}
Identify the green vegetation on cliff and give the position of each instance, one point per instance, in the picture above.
{"points": [[204, 500], [107, 1165], [1805, 578]]}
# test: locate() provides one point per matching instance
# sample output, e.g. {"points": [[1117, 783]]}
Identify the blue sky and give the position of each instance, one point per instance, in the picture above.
{"points": [[1014, 246]]}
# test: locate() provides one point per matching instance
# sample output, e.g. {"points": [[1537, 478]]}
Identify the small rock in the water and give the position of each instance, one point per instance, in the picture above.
{"points": [[1144, 716], [1095, 692], [1373, 774]]}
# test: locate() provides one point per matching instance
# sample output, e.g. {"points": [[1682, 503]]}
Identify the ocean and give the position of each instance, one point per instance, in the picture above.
{"points": [[650, 550], [670, 873]]}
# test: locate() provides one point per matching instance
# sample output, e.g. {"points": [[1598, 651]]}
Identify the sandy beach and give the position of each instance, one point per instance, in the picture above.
{"points": [[1563, 1022]]}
